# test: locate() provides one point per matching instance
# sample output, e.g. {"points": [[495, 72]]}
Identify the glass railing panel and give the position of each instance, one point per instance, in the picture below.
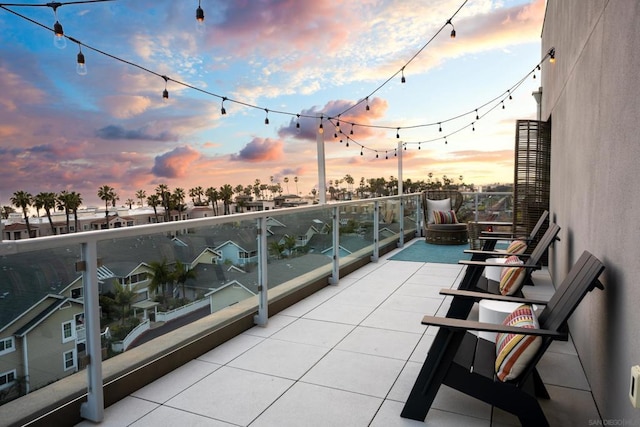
{"points": [[496, 207], [152, 274], [38, 306], [356, 231]]}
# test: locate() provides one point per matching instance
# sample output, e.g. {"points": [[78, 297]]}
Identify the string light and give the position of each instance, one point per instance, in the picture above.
{"points": [[473, 126], [398, 133], [320, 128], [503, 105], [386, 156], [223, 110], [453, 29], [266, 118], [81, 66], [552, 55], [338, 124], [199, 18], [298, 123], [402, 79], [59, 40], [165, 92]]}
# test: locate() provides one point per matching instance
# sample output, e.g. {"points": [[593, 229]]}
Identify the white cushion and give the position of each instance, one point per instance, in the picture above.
{"points": [[437, 205]]}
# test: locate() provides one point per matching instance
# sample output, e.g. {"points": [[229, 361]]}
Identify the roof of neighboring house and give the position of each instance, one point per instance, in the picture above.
{"points": [[56, 303], [18, 226]]}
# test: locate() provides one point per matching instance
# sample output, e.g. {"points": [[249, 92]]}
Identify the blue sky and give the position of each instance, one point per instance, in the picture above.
{"points": [[62, 131]]}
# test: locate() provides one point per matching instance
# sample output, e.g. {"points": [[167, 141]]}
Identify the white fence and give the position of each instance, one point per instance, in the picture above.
{"points": [[120, 346], [163, 316]]}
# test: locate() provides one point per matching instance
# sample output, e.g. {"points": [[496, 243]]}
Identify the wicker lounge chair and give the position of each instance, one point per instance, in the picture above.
{"points": [[443, 234]]}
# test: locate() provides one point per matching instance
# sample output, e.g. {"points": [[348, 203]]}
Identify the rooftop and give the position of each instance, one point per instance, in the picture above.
{"points": [[346, 355]]}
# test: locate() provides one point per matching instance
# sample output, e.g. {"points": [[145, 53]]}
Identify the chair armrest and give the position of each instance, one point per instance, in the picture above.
{"points": [[489, 264], [496, 235], [493, 253], [477, 296], [469, 325]]}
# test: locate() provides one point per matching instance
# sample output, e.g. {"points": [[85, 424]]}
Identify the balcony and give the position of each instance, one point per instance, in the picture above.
{"points": [[345, 353]]}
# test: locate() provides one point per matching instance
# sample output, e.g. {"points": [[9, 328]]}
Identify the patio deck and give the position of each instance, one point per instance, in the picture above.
{"points": [[345, 356]]}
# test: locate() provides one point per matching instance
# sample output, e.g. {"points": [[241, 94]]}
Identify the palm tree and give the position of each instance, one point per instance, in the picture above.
{"points": [[123, 297], [162, 190], [226, 193], [23, 199], [141, 195], [213, 196], [160, 277], [130, 202], [75, 200], [47, 201], [6, 210], [181, 274], [289, 244], [64, 202], [108, 194], [196, 194], [295, 179], [286, 181], [154, 201], [178, 199]]}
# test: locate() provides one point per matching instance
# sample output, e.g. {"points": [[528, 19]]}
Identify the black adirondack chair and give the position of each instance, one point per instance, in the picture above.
{"points": [[461, 360], [473, 280]]}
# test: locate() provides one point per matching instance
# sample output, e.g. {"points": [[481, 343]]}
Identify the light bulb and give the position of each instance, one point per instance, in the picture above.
{"points": [[81, 66], [59, 40], [200, 27]]}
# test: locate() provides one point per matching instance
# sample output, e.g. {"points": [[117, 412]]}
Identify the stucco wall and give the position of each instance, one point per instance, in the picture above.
{"points": [[592, 96]]}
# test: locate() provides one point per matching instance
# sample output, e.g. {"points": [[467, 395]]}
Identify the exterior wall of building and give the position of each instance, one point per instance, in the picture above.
{"points": [[46, 348], [592, 97]]}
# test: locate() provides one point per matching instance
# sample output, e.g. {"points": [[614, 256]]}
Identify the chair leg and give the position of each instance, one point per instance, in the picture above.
{"points": [[538, 386], [440, 356]]}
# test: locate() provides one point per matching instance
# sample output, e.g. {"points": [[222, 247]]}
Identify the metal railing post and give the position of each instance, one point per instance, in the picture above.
{"points": [[262, 317], [418, 215], [376, 231], [335, 273], [93, 408], [401, 223]]}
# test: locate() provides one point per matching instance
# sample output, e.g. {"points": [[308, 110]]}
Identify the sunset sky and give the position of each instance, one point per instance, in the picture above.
{"points": [[63, 131]]}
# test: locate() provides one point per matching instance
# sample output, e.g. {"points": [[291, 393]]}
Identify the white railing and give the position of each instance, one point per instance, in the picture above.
{"points": [[165, 316], [120, 346]]}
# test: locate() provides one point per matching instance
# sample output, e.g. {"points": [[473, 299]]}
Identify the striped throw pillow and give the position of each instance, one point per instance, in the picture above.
{"points": [[444, 217], [515, 351], [516, 247], [511, 276]]}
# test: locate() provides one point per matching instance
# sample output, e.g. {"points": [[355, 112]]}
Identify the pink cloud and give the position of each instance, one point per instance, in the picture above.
{"points": [[260, 150], [176, 163]]}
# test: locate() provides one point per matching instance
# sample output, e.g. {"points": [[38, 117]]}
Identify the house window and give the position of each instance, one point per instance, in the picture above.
{"points": [[68, 331], [76, 293], [7, 345], [69, 360], [7, 379]]}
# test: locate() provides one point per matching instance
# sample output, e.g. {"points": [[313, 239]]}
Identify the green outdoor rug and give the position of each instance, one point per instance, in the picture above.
{"points": [[422, 251]]}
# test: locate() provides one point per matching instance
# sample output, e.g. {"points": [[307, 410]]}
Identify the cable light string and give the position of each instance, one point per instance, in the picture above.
{"points": [[415, 55], [81, 68], [507, 95]]}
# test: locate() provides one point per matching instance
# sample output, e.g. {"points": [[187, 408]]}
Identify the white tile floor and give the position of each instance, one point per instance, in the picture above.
{"points": [[345, 356]]}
